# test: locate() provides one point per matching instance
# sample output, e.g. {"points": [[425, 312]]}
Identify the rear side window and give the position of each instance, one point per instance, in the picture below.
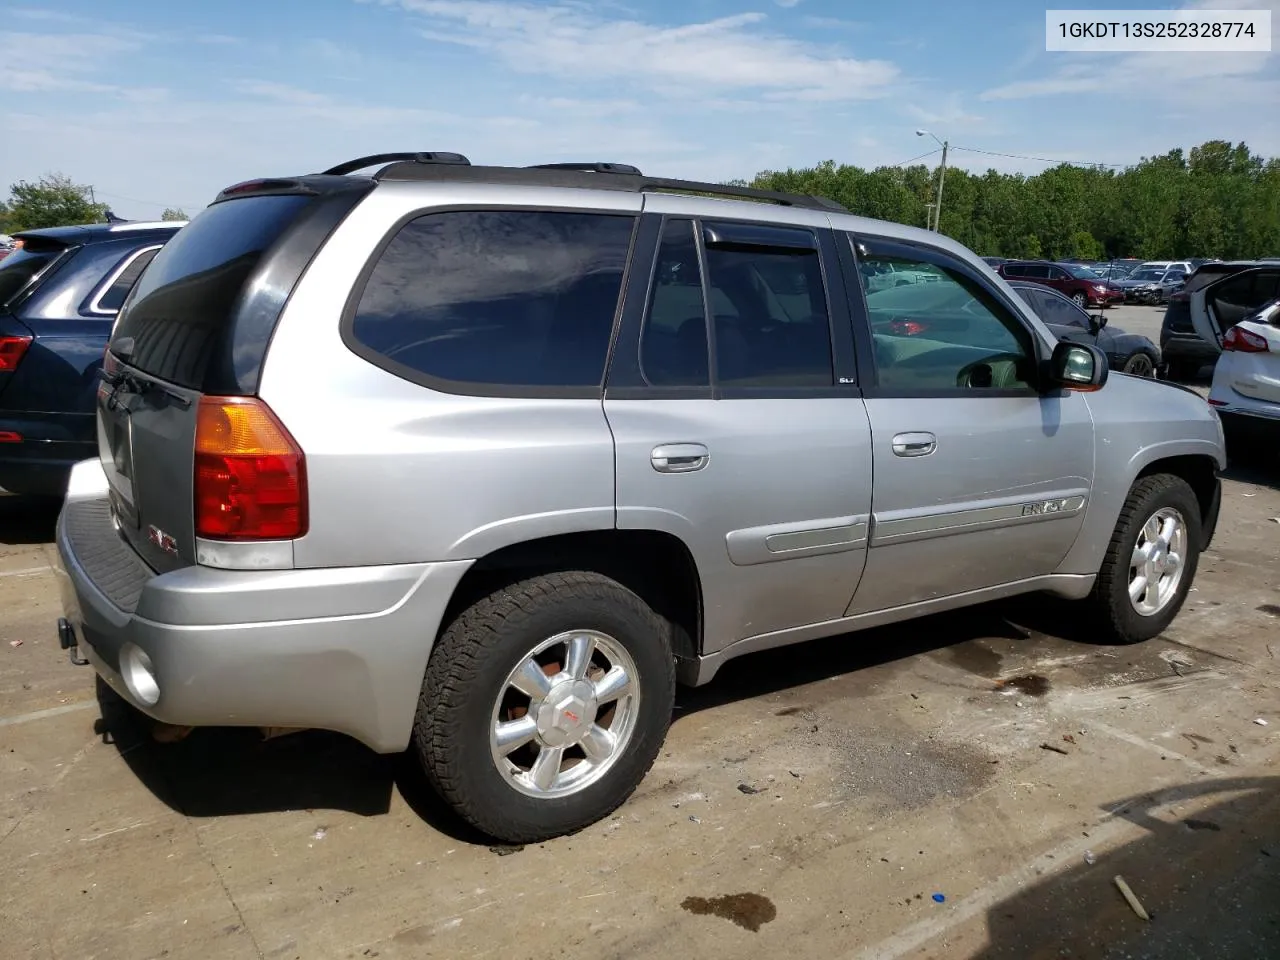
{"points": [[182, 304], [496, 298], [113, 297]]}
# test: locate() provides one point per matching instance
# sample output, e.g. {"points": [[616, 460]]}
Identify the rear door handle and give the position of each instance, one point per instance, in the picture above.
{"points": [[914, 444], [679, 457]]}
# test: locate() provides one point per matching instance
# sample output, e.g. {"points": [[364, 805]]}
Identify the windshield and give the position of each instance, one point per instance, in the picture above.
{"points": [[1080, 271], [1147, 273], [18, 268]]}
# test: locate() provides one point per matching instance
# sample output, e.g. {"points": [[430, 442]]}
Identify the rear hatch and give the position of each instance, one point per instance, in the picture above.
{"points": [[196, 325], [20, 272]]}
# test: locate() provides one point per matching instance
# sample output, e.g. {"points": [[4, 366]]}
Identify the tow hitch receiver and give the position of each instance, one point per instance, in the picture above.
{"points": [[67, 639]]}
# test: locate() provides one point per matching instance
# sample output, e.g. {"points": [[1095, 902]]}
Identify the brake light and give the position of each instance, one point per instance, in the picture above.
{"points": [[1181, 296], [250, 475], [1244, 341], [12, 349], [907, 328]]}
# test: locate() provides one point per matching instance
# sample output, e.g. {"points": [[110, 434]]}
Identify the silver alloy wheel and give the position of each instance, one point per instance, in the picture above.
{"points": [[565, 714], [1159, 557], [1080, 299], [1140, 365]]}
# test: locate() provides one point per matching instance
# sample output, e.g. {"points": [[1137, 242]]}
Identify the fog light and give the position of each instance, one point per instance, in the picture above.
{"points": [[139, 675]]}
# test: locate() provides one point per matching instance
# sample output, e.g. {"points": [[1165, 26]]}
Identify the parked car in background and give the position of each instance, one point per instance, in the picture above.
{"points": [[1154, 282], [1072, 280], [478, 461], [59, 295], [1215, 297], [995, 261], [1116, 269], [887, 275], [1246, 381], [1129, 353]]}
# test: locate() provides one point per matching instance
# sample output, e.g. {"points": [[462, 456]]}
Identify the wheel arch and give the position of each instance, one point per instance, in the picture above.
{"points": [[655, 564]]}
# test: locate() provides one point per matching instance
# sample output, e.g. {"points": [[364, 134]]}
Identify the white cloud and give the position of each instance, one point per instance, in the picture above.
{"points": [[730, 53]]}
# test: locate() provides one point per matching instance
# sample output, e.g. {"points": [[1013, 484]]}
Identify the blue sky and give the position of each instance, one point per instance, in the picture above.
{"points": [[158, 103]]}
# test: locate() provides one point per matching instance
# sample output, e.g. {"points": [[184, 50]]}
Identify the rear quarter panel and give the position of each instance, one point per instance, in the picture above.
{"points": [[399, 473], [1137, 422]]}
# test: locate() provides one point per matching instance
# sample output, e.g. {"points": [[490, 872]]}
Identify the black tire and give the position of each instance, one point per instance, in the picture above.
{"points": [[467, 673], [1140, 364], [1110, 597], [1181, 370]]}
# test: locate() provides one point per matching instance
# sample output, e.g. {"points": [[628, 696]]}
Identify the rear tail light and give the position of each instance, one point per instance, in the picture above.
{"points": [[1181, 296], [250, 475], [10, 436], [1244, 341], [12, 349], [907, 328]]}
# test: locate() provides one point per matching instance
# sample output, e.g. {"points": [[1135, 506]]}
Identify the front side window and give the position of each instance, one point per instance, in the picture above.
{"points": [[950, 334], [769, 306], [1036, 271], [508, 298], [1234, 299], [1061, 311]]}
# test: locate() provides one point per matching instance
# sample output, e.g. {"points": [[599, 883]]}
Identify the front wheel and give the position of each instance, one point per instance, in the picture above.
{"points": [[1151, 560], [1140, 365], [545, 703], [1080, 300]]}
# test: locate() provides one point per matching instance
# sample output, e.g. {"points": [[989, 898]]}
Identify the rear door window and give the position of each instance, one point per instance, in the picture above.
{"points": [[1234, 299], [506, 299], [673, 343], [769, 306], [182, 304], [1036, 271]]}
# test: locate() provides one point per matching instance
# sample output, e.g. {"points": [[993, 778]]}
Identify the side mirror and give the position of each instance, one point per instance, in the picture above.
{"points": [[1078, 366], [1096, 322]]}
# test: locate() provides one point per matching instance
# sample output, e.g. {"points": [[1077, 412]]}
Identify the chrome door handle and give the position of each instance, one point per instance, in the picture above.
{"points": [[914, 444], [679, 457]]}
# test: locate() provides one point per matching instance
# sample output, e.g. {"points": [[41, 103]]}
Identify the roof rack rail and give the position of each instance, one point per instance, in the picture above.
{"points": [[591, 167], [351, 166], [587, 177]]}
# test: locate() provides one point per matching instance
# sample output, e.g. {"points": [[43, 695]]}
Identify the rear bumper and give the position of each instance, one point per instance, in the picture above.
{"points": [[341, 649]]}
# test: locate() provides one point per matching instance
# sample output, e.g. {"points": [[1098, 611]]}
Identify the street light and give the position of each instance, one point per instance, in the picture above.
{"points": [[942, 173]]}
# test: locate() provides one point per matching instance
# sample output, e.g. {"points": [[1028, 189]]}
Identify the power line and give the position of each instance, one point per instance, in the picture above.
{"points": [[150, 203], [1018, 156], [921, 157]]}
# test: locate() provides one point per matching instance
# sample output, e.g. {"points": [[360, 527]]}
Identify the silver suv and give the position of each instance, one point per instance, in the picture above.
{"points": [[478, 461]]}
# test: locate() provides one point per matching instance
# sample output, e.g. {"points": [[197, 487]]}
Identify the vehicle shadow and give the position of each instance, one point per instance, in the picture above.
{"points": [[1208, 880], [226, 771], [1258, 469], [27, 520], [1028, 619]]}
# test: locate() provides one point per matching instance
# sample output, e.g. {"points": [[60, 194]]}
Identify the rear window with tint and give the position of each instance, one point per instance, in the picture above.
{"points": [[187, 296], [496, 298], [20, 267]]}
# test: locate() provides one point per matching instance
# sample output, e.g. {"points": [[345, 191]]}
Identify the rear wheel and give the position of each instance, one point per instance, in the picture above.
{"points": [[1151, 560], [545, 703]]}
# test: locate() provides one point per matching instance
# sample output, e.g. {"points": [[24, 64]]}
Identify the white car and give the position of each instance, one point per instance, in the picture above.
{"points": [[1246, 379]]}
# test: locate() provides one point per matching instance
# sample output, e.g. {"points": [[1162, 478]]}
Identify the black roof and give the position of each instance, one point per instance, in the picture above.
{"points": [[593, 175]]}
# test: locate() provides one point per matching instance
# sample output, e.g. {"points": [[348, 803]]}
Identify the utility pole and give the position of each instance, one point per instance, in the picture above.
{"points": [[942, 173]]}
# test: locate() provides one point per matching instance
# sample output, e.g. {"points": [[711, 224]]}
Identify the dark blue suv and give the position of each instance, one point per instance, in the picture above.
{"points": [[59, 295]]}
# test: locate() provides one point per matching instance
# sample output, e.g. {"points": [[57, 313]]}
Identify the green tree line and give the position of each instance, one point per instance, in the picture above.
{"points": [[1219, 200], [56, 201]]}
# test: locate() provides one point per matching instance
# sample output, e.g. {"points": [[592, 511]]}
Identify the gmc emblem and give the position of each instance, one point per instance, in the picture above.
{"points": [[162, 539]]}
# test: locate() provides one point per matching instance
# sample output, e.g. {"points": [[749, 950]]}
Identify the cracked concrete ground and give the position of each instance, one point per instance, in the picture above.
{"points": [[810, 802]]}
